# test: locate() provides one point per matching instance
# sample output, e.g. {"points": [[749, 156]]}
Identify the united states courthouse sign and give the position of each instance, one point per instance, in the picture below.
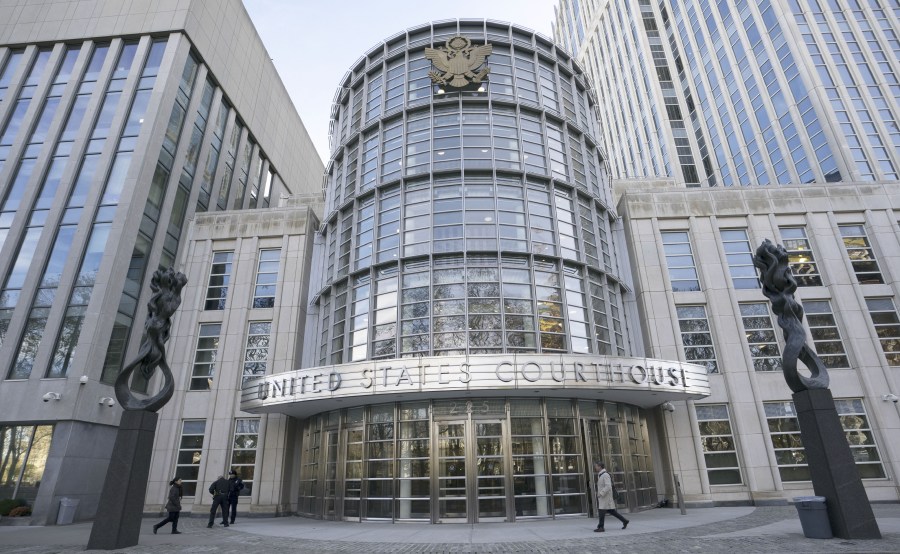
{"points": [[643, 382]]}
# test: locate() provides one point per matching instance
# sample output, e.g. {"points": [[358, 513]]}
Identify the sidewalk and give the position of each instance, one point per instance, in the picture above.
{"points": [[744, 529]]}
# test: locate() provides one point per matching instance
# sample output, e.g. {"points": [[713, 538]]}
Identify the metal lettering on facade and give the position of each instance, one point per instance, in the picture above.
{"points": [[482, 373]]}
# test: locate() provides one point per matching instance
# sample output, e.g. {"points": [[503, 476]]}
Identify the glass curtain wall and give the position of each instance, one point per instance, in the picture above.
{"points": [[471, 222]]}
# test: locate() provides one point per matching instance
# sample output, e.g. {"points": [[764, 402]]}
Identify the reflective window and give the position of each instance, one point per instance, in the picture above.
{"points": [[266, 278], [887, 327], [861, 254], [825, 333], [784, 432], [526, 77], [800, 256], [719, 448], [189, 454], [205, 357], [384, 331], [219, 281], [256, 353], [243, 452], [24, 450], [739, 257], [680, 261], [760, 335], [696, 337]]}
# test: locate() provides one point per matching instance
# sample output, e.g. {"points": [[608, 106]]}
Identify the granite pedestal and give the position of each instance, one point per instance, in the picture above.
{"points": [[832, 467], [118, 521]]}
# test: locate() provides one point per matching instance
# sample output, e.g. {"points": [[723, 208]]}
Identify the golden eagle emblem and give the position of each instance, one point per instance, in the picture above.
{"points": [[457, 62]]}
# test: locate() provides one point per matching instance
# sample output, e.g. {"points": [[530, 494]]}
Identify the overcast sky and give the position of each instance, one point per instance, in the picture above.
{"points": [[314, 42]]}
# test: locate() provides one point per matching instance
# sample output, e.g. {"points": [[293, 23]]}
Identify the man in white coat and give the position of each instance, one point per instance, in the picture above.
{"points": [[605, 500]]}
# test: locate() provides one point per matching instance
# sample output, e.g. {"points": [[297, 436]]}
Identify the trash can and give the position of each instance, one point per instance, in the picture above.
{"points": [[813, 517], [67, 508]]}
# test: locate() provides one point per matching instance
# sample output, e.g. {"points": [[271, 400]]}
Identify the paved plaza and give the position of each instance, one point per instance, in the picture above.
{"points": [[739, 530]]}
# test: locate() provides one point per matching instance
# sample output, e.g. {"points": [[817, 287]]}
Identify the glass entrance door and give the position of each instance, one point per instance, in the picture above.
{"points": [[452, 474], [490, 475], [604, 443], [593, 451], [471, 488]]}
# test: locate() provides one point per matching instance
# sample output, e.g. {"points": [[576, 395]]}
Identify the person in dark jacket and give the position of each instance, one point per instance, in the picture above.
{"points": [[173, 506], [233, 492], [219, 490]]}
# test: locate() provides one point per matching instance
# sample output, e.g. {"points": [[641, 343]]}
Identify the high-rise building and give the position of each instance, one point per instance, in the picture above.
{"points": [[798, 95], [470, 345], [742, 93], [118, 123]]}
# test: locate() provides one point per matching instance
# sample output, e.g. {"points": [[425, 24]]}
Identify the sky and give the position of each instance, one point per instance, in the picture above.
{"points": [[313, 43]]}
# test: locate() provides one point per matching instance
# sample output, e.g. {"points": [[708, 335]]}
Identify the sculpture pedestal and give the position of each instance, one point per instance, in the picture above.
{"points": [[832, 467], [118, 520]]}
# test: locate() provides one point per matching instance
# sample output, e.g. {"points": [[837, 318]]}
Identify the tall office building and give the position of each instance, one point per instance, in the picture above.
{"points": [[791, 94], [118, 123], [743, 93]]}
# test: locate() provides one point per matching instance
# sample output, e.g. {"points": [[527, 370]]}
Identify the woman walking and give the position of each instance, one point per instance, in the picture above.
{"points": [[173, 506], [606, 501]]}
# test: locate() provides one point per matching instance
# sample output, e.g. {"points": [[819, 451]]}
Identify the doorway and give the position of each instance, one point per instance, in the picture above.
{"points": [[470, 481]]}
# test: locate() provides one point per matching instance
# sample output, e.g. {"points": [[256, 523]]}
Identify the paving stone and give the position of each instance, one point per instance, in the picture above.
{"points": [[744, 534]]}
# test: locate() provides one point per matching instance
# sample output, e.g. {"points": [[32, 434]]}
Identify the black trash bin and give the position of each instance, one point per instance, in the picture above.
{"points": [[813, 517]]}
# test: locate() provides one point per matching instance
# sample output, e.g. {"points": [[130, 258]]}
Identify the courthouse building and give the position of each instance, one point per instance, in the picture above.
{"points": [[486, 315], [118, 122], [474, 311], [471, 341]]}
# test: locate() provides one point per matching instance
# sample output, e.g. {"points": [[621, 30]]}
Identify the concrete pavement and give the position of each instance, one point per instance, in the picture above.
{"points": [[741, 529]]}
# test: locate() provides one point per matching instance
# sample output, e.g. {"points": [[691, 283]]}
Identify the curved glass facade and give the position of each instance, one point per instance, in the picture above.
{"points": [[474, 222], [469, 222]]}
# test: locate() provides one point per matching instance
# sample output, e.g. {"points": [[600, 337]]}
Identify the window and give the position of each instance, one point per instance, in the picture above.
{"points": [[760, 336], [696, 338], [784, 431], [190, 451], [861, 255], [219, 278], [800, 256], [23, 451], [825, 334], [205, 357], [680, 261], [887, 327], [719, 450], [243, 451], [740, 258], [256, 354], [266, 278]]}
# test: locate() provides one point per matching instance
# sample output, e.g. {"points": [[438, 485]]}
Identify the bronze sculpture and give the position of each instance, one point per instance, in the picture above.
{"points": [[125, 488], [779, 285], [166, 286], [831, 464]]}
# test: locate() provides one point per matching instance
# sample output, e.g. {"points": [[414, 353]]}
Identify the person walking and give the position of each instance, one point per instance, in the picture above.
{"points": [[606, 501], [233, 492], [173, 506], [219, 490]]}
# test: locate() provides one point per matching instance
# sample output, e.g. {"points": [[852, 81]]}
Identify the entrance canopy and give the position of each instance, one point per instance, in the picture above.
{"points": [[642, 382]]}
